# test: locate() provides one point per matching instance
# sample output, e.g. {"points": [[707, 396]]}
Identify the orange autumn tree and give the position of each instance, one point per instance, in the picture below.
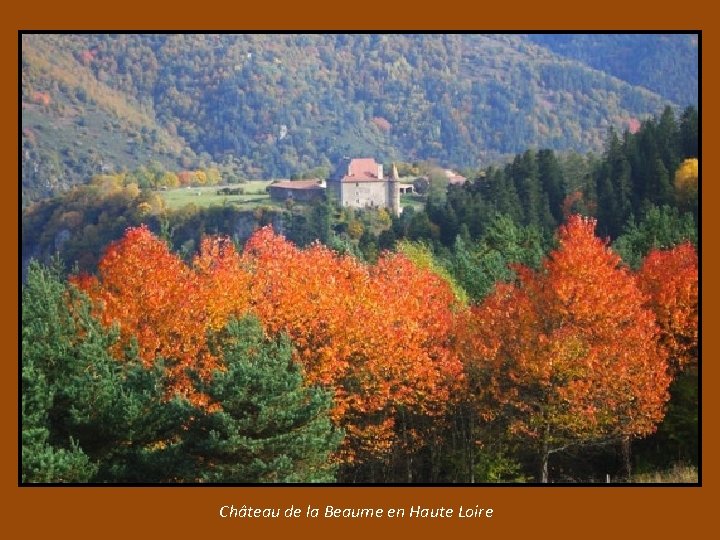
{"points": [[377, 335], [157, 300], [670, 280], [308, 294], [569, 355], [222, 280], [416, 310]]}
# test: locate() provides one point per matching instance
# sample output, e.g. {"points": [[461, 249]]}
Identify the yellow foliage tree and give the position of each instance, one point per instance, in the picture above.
{"points": [[687, 174], [169, 179], [213, 176], [355, 229], [383, 217], [200, 178], [132, 190], [421, 256], [686, 183]]}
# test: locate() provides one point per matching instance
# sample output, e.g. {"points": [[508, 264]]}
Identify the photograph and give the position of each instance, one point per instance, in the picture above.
{"points": [[359, 259]]}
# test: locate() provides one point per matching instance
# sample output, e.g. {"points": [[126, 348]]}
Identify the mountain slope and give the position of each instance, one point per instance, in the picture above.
{"points": [[664, 63], [74, 125], [272, 105]]}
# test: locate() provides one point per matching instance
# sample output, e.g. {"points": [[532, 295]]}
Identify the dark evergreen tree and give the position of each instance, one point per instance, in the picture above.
{"points": [[614, 188], [661, 227], [689, 129], [676, 440], [668, 135], [320, 221], [448, 223], [401, 224], [420, 227], [387, 240], [270, 427], [553, 183], [47, 329], [525, 175], [660, 184], [478, 266], [502, 192], [643, 177], [367, 245], [87, 416]]}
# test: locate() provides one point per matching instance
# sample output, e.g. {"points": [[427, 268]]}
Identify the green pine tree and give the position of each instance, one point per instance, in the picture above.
{"points": [[85, 415], [271, 427], [47, 330], [661, 227]]}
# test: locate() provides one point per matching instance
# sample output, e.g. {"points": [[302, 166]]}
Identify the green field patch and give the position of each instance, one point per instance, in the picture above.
{"points": [[252, 194], [413, 200]]}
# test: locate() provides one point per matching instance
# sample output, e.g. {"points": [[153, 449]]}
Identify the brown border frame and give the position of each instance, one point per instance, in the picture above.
{"points": [[558, 512]]}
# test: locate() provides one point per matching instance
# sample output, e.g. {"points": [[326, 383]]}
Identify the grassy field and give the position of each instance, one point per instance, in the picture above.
{"points": [[416, 201], [254, 194], [676, 475]]}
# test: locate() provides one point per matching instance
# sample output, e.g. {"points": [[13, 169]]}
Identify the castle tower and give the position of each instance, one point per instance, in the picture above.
{"points": [[394, 191]]}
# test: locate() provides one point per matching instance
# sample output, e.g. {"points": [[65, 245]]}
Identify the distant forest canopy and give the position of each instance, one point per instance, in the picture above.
{"points": [[274, 105], [664, 63]]}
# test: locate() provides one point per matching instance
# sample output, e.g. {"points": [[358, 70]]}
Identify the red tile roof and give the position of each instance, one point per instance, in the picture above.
{"points": [[362, 170], [363, 167], [454, 178]]}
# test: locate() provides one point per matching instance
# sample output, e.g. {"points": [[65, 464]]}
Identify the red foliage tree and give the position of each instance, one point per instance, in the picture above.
{"points": [[156, 299], [569, 354], [378, 336], [670, 280]]}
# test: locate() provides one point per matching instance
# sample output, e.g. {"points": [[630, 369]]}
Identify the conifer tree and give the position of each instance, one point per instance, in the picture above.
{"points": [[270, 427], [85, 416], [689, 133]]}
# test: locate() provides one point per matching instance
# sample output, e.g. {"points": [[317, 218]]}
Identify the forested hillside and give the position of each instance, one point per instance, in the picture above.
{"points": [[666, 64], [267, 105]]}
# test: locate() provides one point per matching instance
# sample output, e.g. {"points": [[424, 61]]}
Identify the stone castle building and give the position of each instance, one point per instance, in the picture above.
{"points": [[360, 183]]}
